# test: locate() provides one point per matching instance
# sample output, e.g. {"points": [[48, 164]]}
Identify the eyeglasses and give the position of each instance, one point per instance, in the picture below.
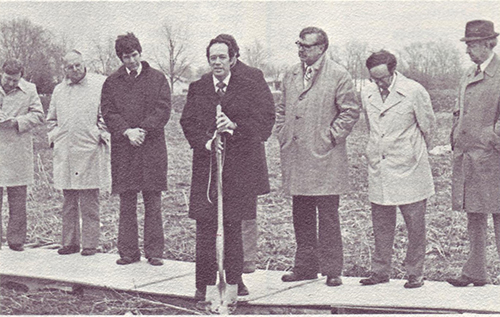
{"points": [[73, 66], [381, 79], [306, 46]]}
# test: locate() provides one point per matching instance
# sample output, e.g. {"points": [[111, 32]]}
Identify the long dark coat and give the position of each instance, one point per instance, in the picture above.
{"points": [[143, 102], [476, 142], [265, 98], [244, 167]]}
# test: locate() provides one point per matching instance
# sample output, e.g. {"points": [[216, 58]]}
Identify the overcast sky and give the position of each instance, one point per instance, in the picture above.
{"points": [[382, 24]]}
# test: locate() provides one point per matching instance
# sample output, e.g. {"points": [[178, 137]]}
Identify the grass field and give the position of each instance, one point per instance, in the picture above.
{"points": [[447, 245]]}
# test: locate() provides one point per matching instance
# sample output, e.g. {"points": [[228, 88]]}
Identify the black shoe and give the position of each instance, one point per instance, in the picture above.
{"points": [[69, 249], [200, 294], [375, 279], [333, 281], [463, 281], [242, 289], [155, 261], [294, 277], [88, 251], [414, 281], [127, 260], [16, 247]]}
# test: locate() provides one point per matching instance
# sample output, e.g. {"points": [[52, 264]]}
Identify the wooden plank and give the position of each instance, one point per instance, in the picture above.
{"points": [[176, 279]]}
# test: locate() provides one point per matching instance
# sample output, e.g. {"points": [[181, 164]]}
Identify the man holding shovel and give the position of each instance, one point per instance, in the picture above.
{"points": [[242, 123]]}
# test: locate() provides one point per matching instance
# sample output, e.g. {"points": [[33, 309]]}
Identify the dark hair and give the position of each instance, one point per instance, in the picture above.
{"points": [[13, 67], [382, 57], [126, 44], [322, 37], [229, 38], [230, 48]]}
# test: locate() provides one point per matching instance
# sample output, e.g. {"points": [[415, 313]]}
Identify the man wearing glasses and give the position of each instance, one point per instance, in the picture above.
{"points": [[316, 114], [81, 153], [401, 122]]}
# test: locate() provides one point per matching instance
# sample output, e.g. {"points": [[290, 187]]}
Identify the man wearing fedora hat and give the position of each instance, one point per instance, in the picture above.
{"points": [[475, 140]]}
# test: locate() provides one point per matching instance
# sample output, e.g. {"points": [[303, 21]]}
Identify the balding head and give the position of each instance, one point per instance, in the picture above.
{"points": [[74, 66]]}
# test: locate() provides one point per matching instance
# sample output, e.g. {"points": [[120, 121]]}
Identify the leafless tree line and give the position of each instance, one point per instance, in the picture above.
{"points": [[436, 65]]}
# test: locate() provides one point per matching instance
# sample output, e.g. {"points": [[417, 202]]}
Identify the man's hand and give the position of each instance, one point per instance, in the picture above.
{"points": [[224, 124], [136, 136], [7, 122]]}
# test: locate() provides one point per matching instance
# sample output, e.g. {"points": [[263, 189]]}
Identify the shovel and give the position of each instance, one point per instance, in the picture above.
{"points": [[222, 296]]}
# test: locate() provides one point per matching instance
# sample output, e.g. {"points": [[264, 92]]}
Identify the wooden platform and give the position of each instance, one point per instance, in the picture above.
{"points": [[177, 279]]}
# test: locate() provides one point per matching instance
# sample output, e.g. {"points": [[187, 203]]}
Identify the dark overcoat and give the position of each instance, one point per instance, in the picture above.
{"points": [[264, 97], [475, 140], [143, 102], [244, 169]]}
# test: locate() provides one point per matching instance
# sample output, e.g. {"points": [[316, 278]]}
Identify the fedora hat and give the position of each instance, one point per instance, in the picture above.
{"points": [[478, 30]]}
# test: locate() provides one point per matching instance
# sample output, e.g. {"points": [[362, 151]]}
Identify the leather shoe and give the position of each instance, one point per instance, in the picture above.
{"points": [[127, 260], [69, 249], [16, 247], [464, 280], [414, 281], [333, 281], [294, 277], [242, 289], [88, 251], [155, 261], [248, 267], [200, 294], [375, 279]]}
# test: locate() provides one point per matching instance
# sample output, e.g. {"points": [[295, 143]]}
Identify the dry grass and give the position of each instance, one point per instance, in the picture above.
{"points": [[447, 246]]}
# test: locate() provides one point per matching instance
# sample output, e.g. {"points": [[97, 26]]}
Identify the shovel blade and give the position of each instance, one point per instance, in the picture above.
{"points": [[222, 298]]}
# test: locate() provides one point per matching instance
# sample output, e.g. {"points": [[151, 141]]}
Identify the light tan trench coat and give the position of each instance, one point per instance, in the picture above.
{"points": [[78, 132], [476, 142], [401, 130], [312, 125], [16, 146]]}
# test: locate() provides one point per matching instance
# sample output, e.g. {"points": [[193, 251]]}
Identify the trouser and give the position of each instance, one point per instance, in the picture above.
{"points": [[128, 232], [249, 236], [317, 251], [384, 225], [206, 261], [16, 228], [477, 227], [86, 202]]}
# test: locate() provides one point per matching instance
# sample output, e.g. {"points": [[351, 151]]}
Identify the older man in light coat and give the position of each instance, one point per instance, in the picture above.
{"points": [[401, 123], [81, 154], [20, 111], [317, 113], [475, 140]]}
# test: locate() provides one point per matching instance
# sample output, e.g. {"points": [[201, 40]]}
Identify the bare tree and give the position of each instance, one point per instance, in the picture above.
{"points": [[352, 56], [37, 49], [171, 55], [436, 65], [256, 55], [105, 61]]}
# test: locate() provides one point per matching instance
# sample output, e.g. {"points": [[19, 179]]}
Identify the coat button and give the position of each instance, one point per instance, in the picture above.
{"points": [[297, 117], [301, 98], [382, 135], [383, 157], [295, 138], [382, 114]]}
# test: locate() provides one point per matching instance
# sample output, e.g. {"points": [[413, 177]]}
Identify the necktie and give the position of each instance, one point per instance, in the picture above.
{"points": [[133, 74], [308, 74], [220, 91], [478, 70], [384, 92]]}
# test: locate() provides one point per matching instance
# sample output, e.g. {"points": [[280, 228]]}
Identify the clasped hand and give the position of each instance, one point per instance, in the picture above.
{"points": [[7, 122], [224, 124], [136, 136]]}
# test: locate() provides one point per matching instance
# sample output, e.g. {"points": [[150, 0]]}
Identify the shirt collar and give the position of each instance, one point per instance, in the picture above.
{"points": [[487, 62], [225, 81], [21, 86], [139, 70]]}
